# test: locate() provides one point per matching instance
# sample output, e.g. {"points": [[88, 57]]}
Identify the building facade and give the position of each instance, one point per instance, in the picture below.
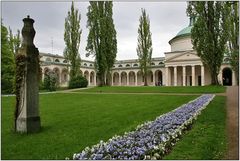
{"points": [[180, 67]]}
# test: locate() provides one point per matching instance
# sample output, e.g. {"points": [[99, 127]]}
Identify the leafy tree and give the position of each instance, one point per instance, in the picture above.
{"points": [[101, 43], [72, 37], [7, 62], [232, 17], [209, 34], [15, 41], [144, 48]]}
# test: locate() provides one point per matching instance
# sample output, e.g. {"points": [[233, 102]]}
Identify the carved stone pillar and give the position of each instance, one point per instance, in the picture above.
{"points": [[202, 76], [184, 75], [193, 75], [27, 108], [175, 75]]}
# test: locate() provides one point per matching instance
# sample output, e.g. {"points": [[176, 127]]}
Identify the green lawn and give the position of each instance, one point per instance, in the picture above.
{"points": [[73, 121], [207, 138], [153, 89]]}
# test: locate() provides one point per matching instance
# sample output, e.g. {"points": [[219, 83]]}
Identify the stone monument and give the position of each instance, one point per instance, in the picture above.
{"points": [[27, 117]]}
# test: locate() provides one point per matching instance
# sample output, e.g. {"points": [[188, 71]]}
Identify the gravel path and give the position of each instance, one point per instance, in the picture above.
{"points": [[232, 122]]}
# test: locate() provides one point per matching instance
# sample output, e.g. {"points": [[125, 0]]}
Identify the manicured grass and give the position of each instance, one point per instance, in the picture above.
{"points": [[153, 89], [70, 122], [207, 138]]}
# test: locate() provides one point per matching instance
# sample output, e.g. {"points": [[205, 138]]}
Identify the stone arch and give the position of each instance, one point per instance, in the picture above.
{"points": [[92, 78], [116, 79], [46, 70], [56, 70], [150, 78], [81, 72], [139, 78], [124, 78], [132, 78], [227, 76], [86, 75], [64, 75], [158, 78]]}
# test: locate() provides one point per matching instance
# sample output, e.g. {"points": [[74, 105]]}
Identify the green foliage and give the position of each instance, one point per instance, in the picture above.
{"points": [[15, 41], [7, 63], [78, 82], [72, 37], [73, 121], [50, 81], [102, 42], [144, 48], [232, 18], [209, 34]]}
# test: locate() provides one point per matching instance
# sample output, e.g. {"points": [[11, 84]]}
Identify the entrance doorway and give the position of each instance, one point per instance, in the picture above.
{"points": [[227, 77]]}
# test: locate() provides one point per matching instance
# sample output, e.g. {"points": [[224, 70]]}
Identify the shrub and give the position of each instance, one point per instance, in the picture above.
{"points": [[78, 82], [50, 81]]}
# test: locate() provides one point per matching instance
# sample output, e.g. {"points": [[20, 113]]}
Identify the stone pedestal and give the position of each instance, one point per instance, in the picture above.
{"points": [[28, 119]]}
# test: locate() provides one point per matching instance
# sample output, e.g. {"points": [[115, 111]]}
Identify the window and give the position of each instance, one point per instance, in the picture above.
{"points": [[120, 65], [160, 63], [48, 59], [90, 65], [152, 63], [57, 60], [64, 61], [135, 65], [85, 64], [128, 65]]}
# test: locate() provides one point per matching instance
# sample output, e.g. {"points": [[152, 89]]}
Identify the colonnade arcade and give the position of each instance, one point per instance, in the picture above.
{"points": [[185, 75]]}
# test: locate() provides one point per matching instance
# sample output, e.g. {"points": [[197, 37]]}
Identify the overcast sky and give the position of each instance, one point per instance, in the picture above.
{"points": [[166, 20]]}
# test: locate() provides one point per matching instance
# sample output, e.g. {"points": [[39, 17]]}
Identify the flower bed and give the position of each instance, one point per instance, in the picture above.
{"points": [[151, 140]]}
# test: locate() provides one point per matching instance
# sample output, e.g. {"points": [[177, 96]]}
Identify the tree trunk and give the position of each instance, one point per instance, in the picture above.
{"points": [[145, 80], [214, 78], [108, 80]]}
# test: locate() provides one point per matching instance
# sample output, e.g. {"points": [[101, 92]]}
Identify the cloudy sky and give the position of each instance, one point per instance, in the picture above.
{"points": [[166, 20]]}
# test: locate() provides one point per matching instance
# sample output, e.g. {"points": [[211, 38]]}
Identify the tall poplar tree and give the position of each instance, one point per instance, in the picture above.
{"points": [[7, 62], [15, 41], [209, 34], [144, 48], [72, 37], [101, 42], [232, 17]]}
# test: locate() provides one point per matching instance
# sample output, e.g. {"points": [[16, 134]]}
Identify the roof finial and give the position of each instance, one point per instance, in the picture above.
{"points": [[28, 16]]}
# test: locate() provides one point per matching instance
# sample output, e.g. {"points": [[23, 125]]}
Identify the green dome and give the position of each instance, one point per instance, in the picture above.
{"points": [[185, 31]]}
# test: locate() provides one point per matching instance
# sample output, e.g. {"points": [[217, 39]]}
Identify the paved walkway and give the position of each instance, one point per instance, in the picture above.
{"points": [[232, 122]]}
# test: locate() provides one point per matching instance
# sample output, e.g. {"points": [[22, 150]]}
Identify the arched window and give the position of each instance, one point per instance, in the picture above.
{"points": [[48, 59], [120, 65], [160, 63], [152, 63], [128, 65], [64, 61], [57, 60], [90, 65], [85, 64], [135, 65], [114, 66]]}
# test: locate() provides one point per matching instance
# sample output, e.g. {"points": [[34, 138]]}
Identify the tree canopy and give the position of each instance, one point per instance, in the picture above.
{"points": [[7, 62], [144, 47], [101, 42], [72, 37], [209, 34]]}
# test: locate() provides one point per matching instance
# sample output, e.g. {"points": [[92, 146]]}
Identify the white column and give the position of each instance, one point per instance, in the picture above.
{"points": [[112, 79], [127, 79], [184, 75], [193, 75], [234, 81], [89, 82], [136, 79], [153, 78], [166, 77], [202, 76], [175, 75], [95, 79], [119, 79]]}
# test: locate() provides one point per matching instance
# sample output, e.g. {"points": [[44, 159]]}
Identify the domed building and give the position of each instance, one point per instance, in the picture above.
{"points": [[180, 67]]}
